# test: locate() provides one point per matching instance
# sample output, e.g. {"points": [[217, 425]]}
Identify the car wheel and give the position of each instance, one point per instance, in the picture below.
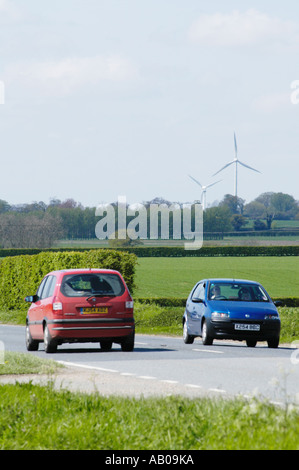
{"points": [[49, 343], [106, 345], [251, 343], [206, 339], [127, 344], [31, 344], [186, 337], [273, 343]]}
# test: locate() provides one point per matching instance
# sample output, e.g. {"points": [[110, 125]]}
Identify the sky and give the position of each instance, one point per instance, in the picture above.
{"points": [[109, 98]]}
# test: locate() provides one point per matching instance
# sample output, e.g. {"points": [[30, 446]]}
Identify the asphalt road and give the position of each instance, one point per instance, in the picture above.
{"points": [[164, 365]]}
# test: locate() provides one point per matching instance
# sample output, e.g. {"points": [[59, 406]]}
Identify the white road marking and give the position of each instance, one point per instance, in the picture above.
{"points": [[169, 381], [193, 386], [208, 351], [217, 390], [277, 403], [83, 366], [147, 377]]}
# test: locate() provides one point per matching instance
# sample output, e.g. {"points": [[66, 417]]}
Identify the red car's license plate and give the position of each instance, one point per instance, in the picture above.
{"points": [[90, 310]]}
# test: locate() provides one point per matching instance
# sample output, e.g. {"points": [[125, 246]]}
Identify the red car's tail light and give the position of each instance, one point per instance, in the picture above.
{"points": [[129, 304], [57, 306]]}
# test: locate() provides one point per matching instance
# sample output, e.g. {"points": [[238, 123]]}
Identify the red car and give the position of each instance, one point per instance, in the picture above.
{"points": [[81, 305]]}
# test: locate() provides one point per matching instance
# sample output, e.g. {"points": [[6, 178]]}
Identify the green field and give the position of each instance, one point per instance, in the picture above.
{"points": [[175, 277]]}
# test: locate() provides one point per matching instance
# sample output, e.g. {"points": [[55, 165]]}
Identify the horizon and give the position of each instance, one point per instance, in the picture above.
{"points": [[153, 200]]}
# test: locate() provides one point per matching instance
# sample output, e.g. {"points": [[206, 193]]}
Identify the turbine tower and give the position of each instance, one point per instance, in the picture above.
{"points": [[204, 191], [235, 161]]}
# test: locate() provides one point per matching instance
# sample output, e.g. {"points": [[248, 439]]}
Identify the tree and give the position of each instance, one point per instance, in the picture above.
{"points": [[254, 210], [238, 221], [278, 206], [284, 205], [234, 203], [266, 200], [217, 219], [4, 206], [259, 225], [29, 231]]}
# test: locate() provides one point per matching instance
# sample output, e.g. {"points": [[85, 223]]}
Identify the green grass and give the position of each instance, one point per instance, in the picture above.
{"points": [[175, 277], [13, 317], [289, 324], [34, 417], [153, 319], [18, 363]]}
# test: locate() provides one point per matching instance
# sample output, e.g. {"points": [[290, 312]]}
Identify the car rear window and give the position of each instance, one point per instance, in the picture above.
{"points": [[84, 285]]}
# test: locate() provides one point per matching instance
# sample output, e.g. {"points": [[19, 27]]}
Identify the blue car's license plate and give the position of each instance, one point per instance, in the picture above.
{"points": [[247, 327]]}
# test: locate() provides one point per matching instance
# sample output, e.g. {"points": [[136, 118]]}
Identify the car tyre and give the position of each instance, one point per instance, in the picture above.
{"points": [[49, 343], [206, 339], [273, 343], [251, 343], [31, 344], [127, 344], [188, 339], [106, 345]]}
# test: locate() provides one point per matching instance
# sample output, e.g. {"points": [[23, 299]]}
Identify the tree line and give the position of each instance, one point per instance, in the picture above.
{"points": [[39, 225]]}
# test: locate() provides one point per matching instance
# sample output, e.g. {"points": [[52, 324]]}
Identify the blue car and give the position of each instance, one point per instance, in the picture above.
{"points": [[231, 309]]}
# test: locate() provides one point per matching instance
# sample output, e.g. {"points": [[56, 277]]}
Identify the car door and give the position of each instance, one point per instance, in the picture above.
{"points": [[47, 298], [35, 312], [195, 309]]}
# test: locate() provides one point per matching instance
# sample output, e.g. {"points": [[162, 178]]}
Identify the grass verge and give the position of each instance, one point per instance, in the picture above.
{"points": [[34, 417], [18, 363]]}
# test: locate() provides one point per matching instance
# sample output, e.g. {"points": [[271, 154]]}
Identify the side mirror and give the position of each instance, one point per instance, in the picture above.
{"points": [[277, 303], [31, 298]]}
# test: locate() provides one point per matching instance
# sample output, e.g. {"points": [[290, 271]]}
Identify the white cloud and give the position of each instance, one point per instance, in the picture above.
{"points": [[272, 102], [238, 29], [65, 76], [9, 10]]}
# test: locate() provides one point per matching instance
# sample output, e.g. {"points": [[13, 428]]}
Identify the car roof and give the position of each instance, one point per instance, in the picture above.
{"points": [[83, 271], [231, 280]]}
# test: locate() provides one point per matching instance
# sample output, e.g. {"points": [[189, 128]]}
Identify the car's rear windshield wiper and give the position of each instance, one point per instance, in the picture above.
{"points": [[101, 294]]}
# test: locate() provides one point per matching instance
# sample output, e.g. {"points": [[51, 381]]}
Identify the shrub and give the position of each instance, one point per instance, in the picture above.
{"points": [[21, 275]]}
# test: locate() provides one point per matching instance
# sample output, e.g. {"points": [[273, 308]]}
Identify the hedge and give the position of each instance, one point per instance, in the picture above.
{"points": [[167, 251], [209, 251], [21, 275], [180, 302]]}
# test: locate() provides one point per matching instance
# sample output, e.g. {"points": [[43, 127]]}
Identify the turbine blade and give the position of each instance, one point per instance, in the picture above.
{"points": [[247, 166], [225, 166], [236, 148], [195, 180], [212, 184]]}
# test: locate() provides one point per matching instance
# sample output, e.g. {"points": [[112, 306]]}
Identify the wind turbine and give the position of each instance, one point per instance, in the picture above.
{"points": [[235, 161], [204, 191]]}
